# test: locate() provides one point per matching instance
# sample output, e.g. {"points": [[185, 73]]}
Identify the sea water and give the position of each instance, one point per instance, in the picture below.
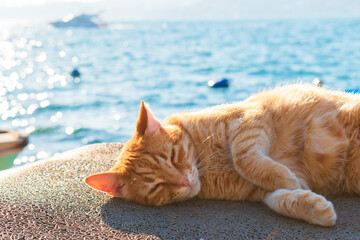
{"points": [[166, 64]]}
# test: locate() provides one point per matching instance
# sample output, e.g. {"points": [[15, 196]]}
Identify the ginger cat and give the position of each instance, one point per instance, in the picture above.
{"points": [[283, 147]]}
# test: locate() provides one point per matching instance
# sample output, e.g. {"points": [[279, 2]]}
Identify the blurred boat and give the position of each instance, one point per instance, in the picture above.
{"points": [[11, 144], [81, 21]]}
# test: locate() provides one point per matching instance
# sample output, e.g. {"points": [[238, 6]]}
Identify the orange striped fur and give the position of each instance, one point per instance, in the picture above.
{"points": [[286, 147]]}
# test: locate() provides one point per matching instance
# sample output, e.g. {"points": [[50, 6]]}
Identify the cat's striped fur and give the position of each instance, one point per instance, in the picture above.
{"points": [[283, 146]]}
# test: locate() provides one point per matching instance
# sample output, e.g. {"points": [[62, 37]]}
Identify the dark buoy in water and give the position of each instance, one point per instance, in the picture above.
{"points": [[75, 73], [219, 83]]}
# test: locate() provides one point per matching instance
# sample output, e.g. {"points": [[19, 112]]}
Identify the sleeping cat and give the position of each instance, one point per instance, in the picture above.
{"points": [[283, 146]]}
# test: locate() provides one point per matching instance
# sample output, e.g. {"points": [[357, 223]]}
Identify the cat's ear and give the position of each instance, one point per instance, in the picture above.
{"points": [[110, 182], [146, 123]]}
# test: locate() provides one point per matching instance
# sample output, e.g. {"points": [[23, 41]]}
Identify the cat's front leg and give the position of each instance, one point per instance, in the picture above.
{"points": [[265, 172], [302, 204], [250, 160]]}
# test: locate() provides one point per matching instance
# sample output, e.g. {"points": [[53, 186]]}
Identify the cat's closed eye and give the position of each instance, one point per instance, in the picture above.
{"points": [[155, 188]]}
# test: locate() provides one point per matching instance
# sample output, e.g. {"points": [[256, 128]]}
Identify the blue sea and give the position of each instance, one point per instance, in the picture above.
{"points": [[166, 64]]}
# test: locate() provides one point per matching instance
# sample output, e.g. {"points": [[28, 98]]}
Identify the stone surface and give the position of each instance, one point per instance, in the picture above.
{"points": [[49, 199]]}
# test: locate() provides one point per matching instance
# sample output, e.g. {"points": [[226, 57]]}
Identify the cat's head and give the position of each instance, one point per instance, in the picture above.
{"points": [[155, 167]]}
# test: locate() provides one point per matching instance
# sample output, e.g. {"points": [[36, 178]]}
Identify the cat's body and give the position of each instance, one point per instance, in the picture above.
{"points": [[271, 148]]}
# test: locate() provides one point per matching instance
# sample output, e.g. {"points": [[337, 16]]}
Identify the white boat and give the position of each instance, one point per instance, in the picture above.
{"points": [[81, 21], [11, 144]]}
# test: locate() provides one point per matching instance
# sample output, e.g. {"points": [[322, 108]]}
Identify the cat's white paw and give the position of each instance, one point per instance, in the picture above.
{"points": [[323, 212], [302, 204]]}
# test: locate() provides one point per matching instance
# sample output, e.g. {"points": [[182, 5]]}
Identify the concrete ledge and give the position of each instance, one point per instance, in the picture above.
{"points": [[50, 200]]}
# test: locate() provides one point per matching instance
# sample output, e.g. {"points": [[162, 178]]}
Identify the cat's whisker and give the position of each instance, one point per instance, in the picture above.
{"points": [[206, 139], [199, 164], [201, 153], [204, 168], [219, 150], [211, 169], [216, 166], [210, 158], [204, 148], [207, 158]]}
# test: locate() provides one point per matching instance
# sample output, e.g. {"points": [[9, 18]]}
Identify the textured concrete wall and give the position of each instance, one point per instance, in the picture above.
{"points": [[50, 200]]}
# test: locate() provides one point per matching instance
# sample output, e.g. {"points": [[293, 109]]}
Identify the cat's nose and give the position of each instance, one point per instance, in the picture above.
{"points": [[184, 181]]}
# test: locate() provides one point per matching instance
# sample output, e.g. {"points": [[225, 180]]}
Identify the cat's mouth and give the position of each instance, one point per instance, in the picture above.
{"points": [[188, 192]]}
